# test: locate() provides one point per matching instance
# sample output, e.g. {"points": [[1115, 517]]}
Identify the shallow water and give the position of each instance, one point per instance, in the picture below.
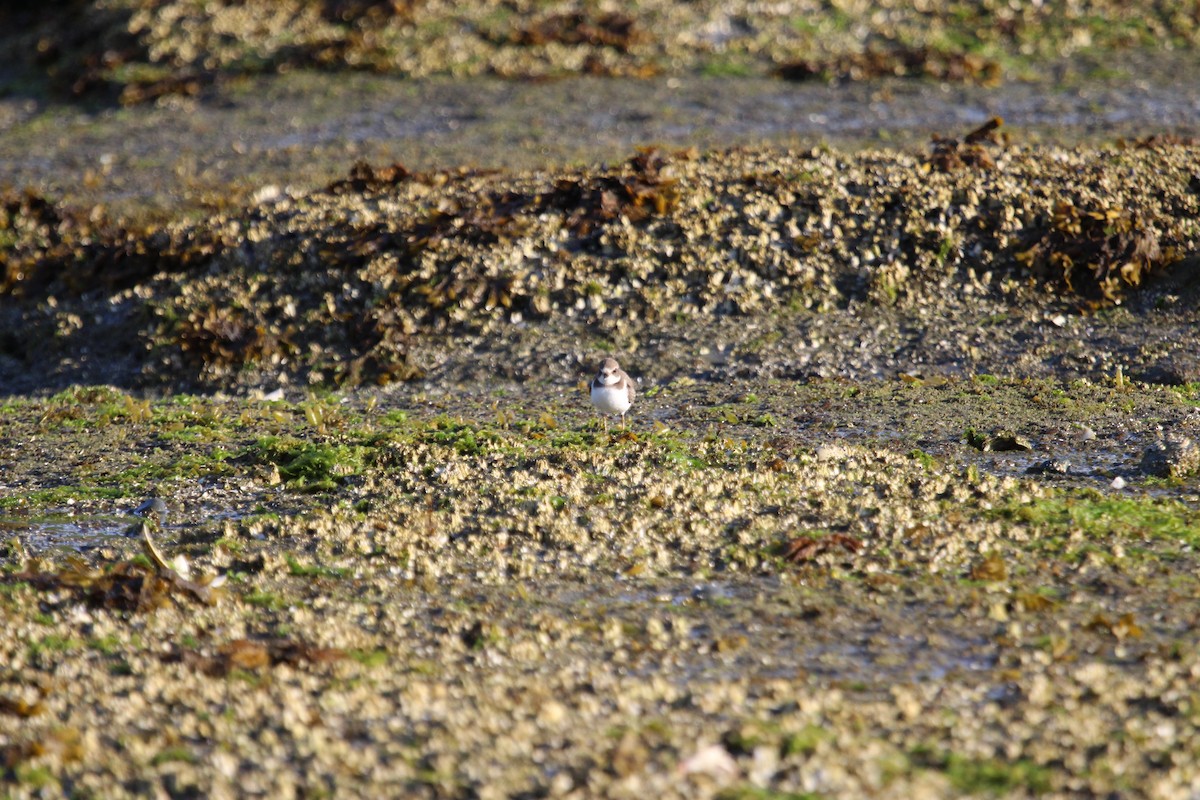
{"points": [[79, 533]]}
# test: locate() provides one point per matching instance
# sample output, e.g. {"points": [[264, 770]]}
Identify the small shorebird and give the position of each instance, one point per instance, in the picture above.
{"points": [[153, 515], [154, 508], [612, 391]]}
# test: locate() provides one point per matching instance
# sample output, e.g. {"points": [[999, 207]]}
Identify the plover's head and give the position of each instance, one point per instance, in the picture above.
{"points": [[609, 372]]}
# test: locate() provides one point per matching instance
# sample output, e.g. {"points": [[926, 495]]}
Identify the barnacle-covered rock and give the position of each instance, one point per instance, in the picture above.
{"points": [[345, 284], [1173, 456]]}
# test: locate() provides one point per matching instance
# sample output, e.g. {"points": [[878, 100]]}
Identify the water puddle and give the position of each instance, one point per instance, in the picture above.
{"points": [[902, 658], [738, 629], [1093, 464], [64, 531]]}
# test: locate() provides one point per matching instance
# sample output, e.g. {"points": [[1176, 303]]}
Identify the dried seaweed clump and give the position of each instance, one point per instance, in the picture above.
{"points": [[131, 585], [366, 11], [949, 154], [611, 29], [913, 62], [18, 213], [443, 271], [249, 655], [804, 549], [217, 342], [1098, 252], [50, 248], [223, 337], [32, 227], [365, 178], [645, 190]]}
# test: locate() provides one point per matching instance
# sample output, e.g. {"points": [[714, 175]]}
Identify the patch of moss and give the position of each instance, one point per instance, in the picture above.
{"points": [[315, 570], [1098, 516], [105, 644], [193, 434], [16, 587], [369, 658], [465, 438], [984, 775], [727, 66], [395, 417], [176, 753], [54, 644], [267, 600], [60, 495], [572, 439], [1189, 393], [93, 406], [36, 777], [186, 465], [924, 459], [804, 741], [759, 793], [308, 466]]}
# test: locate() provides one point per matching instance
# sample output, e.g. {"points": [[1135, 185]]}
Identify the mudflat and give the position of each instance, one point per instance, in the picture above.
{"points": [[907, 503]]}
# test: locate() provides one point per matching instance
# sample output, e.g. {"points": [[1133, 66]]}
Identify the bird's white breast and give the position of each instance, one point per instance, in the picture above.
{"points": [[611, 399]]}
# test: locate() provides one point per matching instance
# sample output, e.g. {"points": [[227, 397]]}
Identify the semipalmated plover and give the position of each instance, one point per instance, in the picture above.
{"points": [[612, 391]]}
